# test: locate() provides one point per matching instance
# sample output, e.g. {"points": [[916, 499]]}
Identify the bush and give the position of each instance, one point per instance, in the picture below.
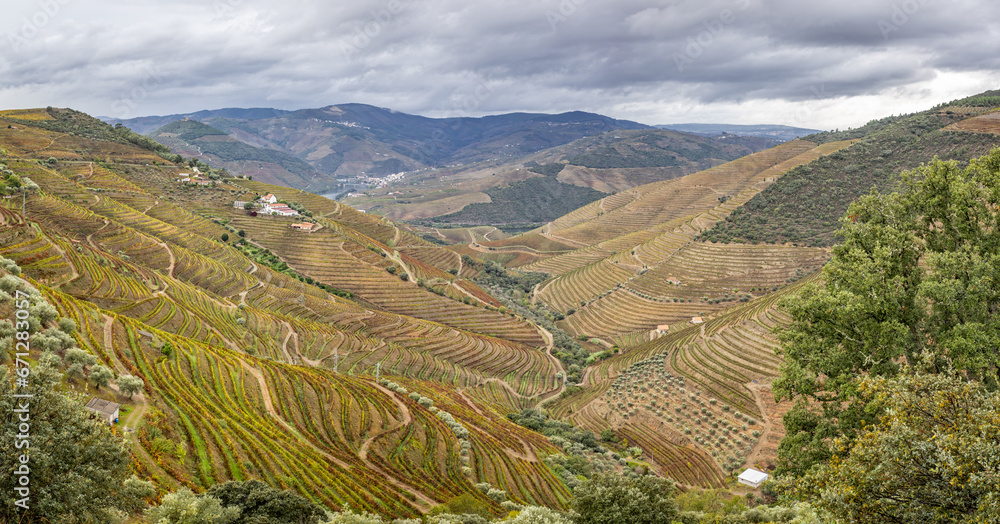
{"points": [[465, 504], [497, 495], [349, 517], [67, 325], [614, 498], [259, 502], [538, 515], [184, 507]]}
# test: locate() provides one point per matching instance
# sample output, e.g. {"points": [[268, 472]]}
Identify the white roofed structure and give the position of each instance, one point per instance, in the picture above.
{"points": [[753, 478]]}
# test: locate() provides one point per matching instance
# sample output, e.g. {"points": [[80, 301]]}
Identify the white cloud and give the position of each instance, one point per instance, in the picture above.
{"points": [[820, 64]]}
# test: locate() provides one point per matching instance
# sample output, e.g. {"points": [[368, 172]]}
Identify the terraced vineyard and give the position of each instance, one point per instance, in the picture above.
{"points": [[251, 369], [621, 288], [259, 344], [701, 390], [632, 274]]}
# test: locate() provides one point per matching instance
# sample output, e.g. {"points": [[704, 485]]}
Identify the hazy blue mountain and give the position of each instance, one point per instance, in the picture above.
{"points": [[783, 133]]}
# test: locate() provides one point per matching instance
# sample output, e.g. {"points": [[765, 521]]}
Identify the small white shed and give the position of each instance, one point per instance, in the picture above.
{"points": [[753, 478], [106, 410]]}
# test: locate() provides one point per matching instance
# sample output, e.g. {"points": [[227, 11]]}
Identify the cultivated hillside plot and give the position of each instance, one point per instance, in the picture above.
{"points": [[639, 265], [252, 370]]}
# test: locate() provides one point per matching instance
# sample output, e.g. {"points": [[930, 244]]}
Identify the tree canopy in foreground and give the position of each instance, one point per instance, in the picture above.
{"points": [[918, 270], [934, 456]]}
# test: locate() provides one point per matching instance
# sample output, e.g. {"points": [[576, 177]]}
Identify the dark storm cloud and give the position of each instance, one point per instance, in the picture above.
{"points": [[644, 60]]}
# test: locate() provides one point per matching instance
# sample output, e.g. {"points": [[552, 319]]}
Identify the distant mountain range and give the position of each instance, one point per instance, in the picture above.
{"points": [[311, 148], [353, 139], [783, 133]]}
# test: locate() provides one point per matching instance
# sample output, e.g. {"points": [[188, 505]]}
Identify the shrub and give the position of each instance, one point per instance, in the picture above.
{"points": [[497, 495]]}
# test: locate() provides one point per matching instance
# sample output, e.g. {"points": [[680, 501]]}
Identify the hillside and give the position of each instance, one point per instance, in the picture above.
{"points": [[805, 206], [358, 363], [529, 202], [628, 278], [193, 139], [255, 364], [608, 162], [349, 140], [774, 132]]}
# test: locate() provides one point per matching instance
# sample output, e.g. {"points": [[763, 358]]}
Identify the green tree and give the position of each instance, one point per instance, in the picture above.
{"points": [[100, 376], [79, 356], [932, 458], [75, 371], [262, 504], [349, 517], [538, 515], [79, 470], [225, 237], [917, 269], [451, 518], [184, 507], [130, 385], [465, 504], [67, 325], [613, 499]]}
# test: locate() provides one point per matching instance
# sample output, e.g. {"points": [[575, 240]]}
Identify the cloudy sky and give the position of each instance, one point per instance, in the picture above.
{"points": [[822, 64]]}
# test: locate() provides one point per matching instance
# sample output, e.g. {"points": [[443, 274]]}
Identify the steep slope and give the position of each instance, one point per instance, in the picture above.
{"points": [[193, 139], [773, 132], [627, 264], [351, 139], [531, 201], [804, 206], [252, 369], [630, 278], [608, 162]]}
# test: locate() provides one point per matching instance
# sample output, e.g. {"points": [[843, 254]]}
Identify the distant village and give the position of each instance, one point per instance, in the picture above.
{"points": [[370, 182]]}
